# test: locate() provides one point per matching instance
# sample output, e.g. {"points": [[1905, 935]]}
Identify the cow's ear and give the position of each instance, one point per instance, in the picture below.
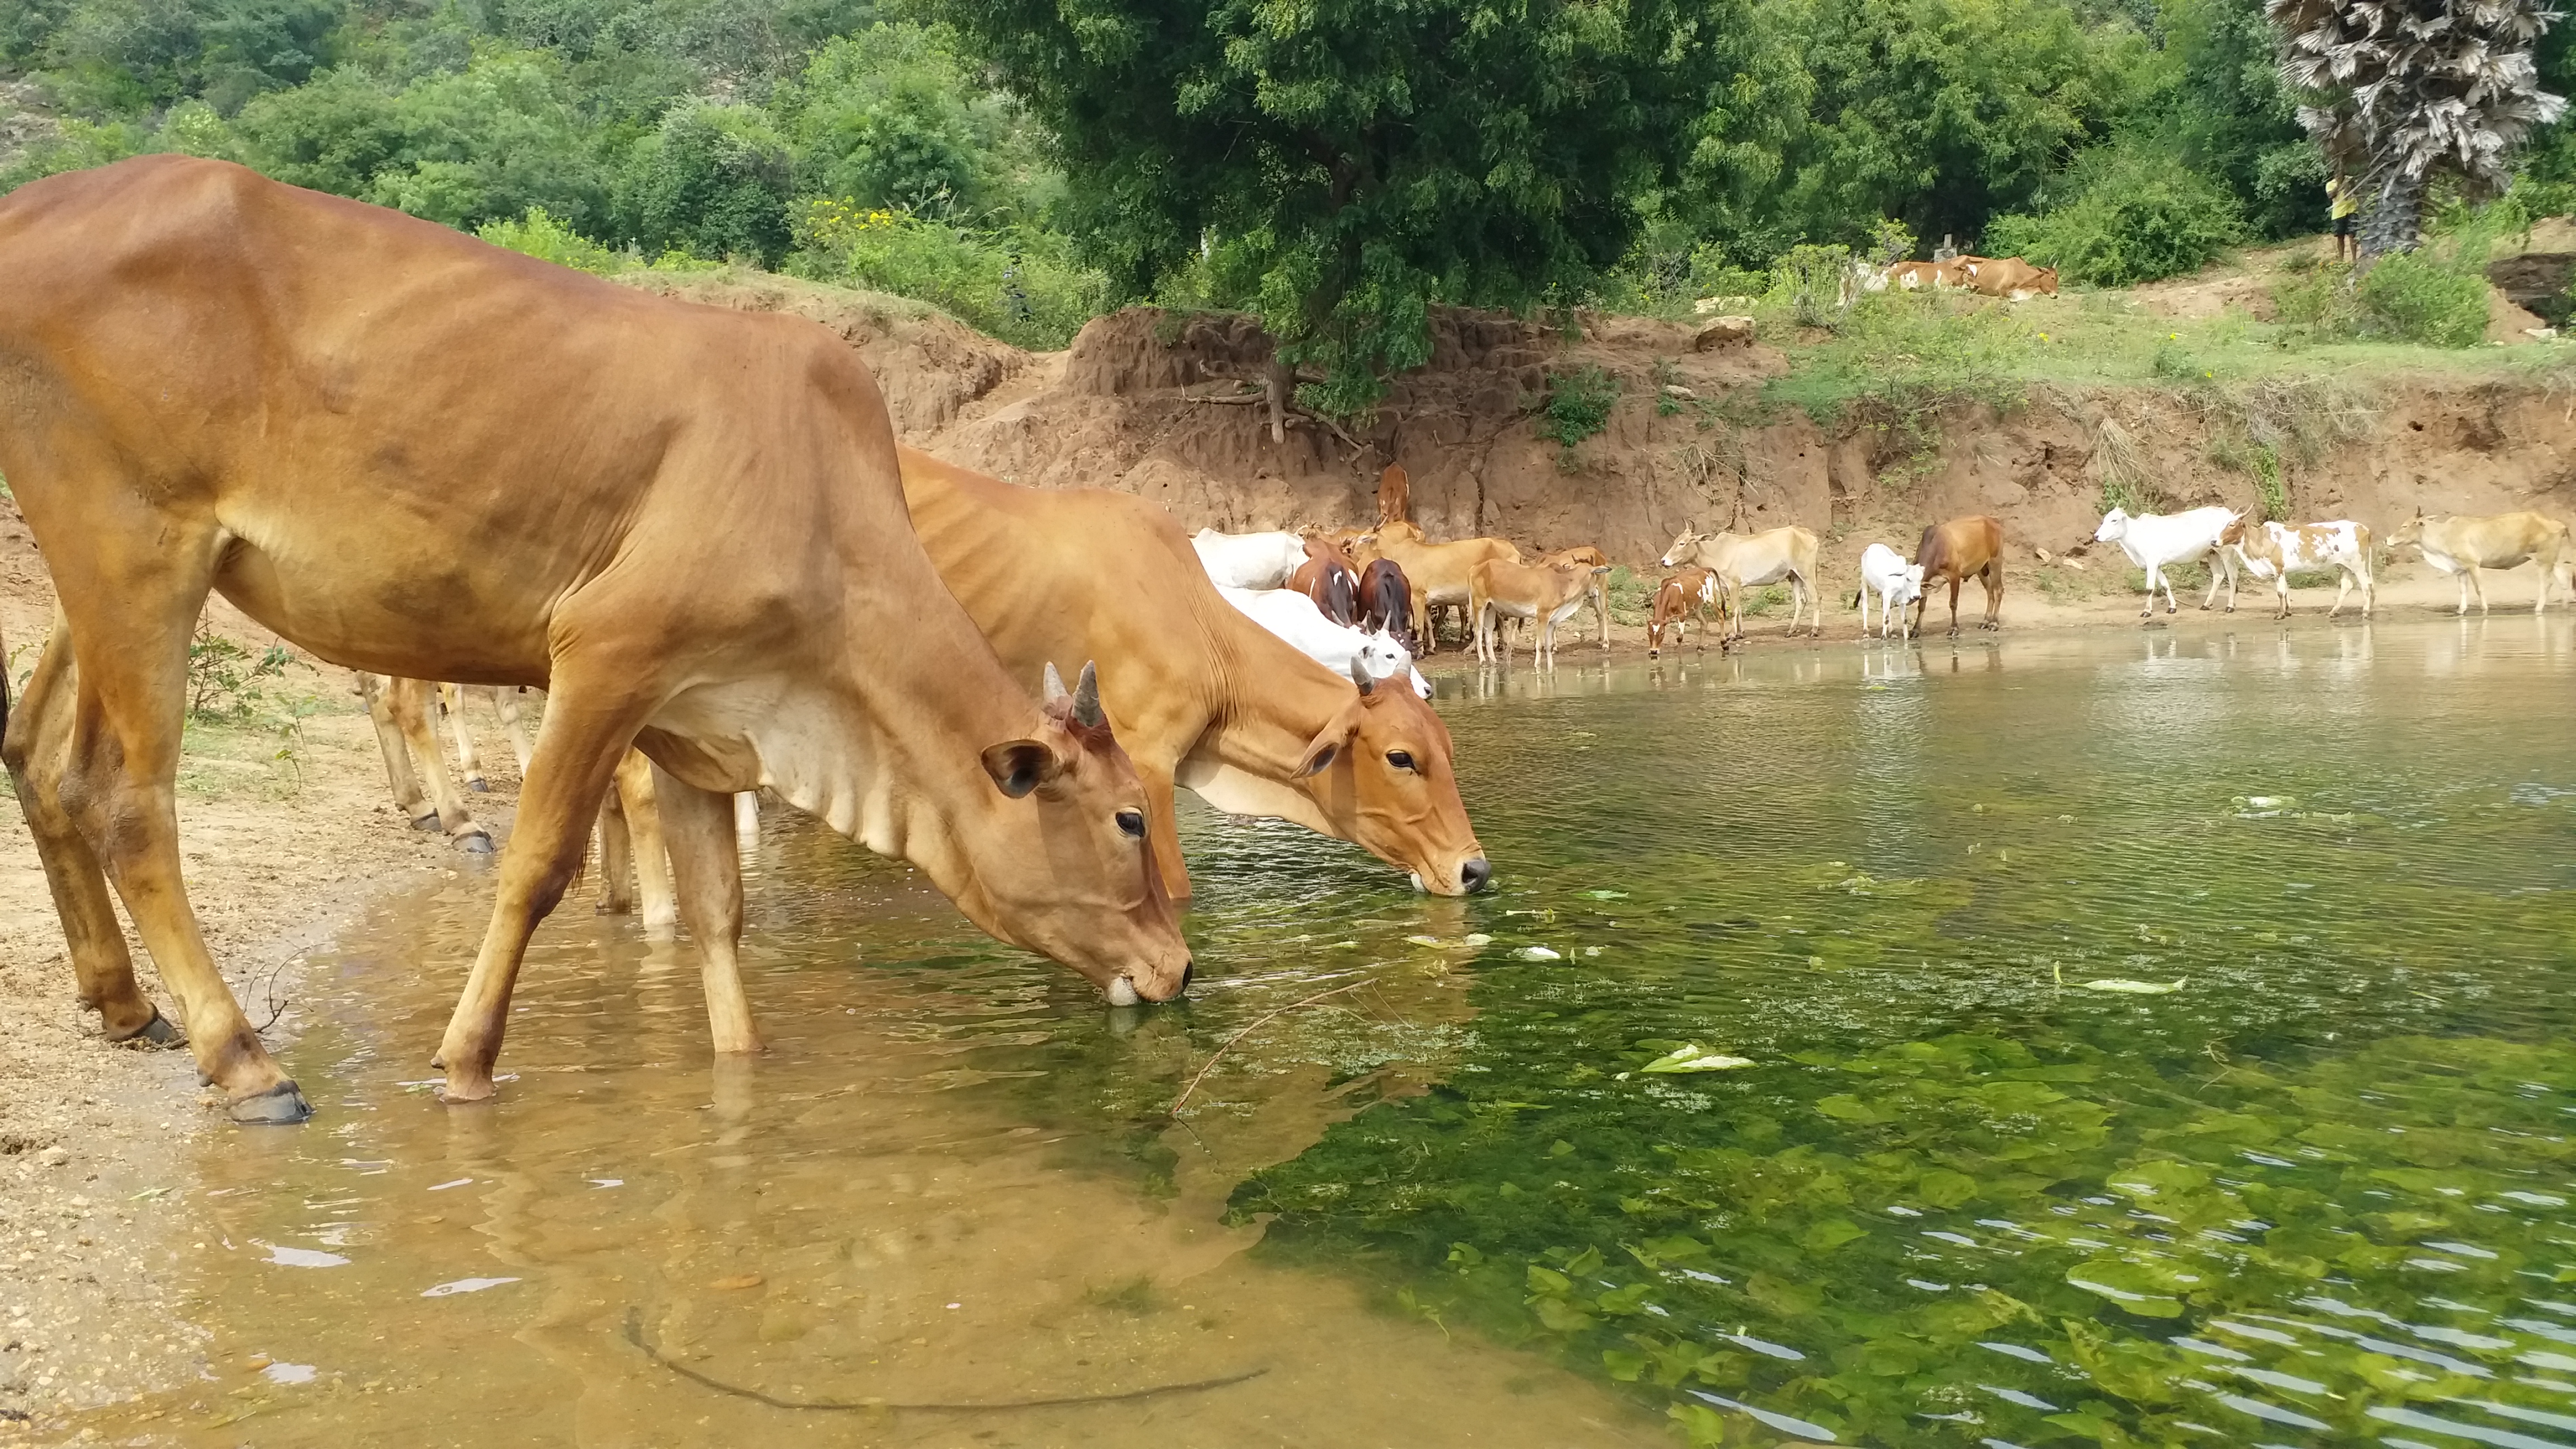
{"points": [[1020, 766], [1327, 745]]}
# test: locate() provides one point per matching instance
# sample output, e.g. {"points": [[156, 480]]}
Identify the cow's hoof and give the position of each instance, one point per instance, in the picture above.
{"points": [[279, 1106], [158, 1032], [476, 843], [477, 786], [427, 822]]}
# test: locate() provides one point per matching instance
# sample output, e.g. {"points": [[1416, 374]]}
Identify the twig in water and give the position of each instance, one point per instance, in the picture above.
{"points": [[635, 1336], [1211, 1062]]}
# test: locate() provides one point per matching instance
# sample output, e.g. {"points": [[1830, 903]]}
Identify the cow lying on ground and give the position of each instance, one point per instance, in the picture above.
{"points": [[332, 414], [2158, 541], [2462, 546], [1685, 596], [1347, 651], [1204, 697], [1547, 594], [1885, 573], [1249, 560], [2274, 550], [2011, 278], [1743, 561], [1956, 551]]}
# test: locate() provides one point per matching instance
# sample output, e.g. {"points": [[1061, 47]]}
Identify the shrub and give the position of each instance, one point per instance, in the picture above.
{"points": [[1578, 405], [2419, 297], [2133, 217], [1018, 284], [541, 236], [714, 180]]}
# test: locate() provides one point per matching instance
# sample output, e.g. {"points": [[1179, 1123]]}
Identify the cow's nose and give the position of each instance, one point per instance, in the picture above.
{"points": [[1476, 872], [1188, 970]]}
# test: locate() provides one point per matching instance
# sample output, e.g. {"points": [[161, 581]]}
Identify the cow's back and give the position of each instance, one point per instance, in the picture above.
{"points": [[410, 435]]}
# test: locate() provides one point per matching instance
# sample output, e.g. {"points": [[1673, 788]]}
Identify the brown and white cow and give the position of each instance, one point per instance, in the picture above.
{"points": [[413, 453], [1959, 550], [1687, 595], [1749, 560], [1330, 579], [1200, 695], [2274, 550], [2462, 546]]}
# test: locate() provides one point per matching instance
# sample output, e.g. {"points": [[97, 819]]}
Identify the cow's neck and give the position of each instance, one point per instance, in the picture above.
{"points": [[1276, 701]]}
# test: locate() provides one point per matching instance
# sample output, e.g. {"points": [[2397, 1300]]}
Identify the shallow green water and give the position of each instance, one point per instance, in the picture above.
{"points": [[2319, 1193]]}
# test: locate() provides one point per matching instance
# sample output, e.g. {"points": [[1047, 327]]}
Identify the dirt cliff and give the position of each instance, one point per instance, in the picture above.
{"points": [[1167, 406]]}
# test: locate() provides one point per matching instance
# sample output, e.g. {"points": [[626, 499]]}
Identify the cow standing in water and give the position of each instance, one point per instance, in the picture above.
{"points": [[1957, 551], [331, 414], [2273, 550], [1685, 596], [1748, 560]]}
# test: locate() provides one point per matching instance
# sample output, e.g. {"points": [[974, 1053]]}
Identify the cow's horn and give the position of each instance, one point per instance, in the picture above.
{"points": [[1360, 676], [1054, 685], [1086, 697]]}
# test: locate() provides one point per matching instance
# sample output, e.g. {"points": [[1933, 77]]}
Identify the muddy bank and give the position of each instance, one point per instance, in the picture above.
{"points": [[96, 1197]]}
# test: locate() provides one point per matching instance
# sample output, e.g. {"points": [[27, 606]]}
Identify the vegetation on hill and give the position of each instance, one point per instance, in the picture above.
{"points": [[1332, 169]]}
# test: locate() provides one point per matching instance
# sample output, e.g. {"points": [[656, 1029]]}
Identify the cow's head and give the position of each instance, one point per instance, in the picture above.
{"points": [[1380, 771], [1685, 544], [1077, 881], [2115, 526], [2409, 532]]}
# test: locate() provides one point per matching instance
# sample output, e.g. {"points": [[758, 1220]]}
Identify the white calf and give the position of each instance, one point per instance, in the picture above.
{"points": [[2157, 541], [1884, 572], [1249, 560], [1293, 617], [2272, 550]]}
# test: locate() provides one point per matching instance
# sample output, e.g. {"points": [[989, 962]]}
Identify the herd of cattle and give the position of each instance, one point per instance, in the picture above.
{"points": [[426, 458]]}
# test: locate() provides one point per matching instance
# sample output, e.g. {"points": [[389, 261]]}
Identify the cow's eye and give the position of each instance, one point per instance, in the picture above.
{"points": [[1400, 759], [1133, 823]]}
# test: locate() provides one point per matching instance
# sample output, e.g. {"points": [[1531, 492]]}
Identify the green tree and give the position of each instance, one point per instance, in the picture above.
{"points": [[715, 180], [112, 57], [1355, 162], [892, 117]]}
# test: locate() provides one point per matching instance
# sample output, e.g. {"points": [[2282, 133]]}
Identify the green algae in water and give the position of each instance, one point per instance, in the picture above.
{"points": [[2319, 1196]]}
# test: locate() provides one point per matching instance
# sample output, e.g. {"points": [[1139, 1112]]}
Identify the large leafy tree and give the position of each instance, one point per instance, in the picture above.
{"points": [[1349, 163], [2409, 89]]}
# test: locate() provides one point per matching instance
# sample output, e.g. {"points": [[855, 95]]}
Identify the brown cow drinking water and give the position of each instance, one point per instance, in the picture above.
{"points": [[1959, 550], [419, 455]]}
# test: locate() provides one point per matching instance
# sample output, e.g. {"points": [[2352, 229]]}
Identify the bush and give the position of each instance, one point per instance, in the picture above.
{"points": [[1019, 284], [541, 236], [1578, 405], [2420, 297], [2133, 217], [714, 180]]}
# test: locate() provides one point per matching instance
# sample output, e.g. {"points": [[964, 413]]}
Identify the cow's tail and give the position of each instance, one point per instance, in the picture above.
{"points": [[4, 688]]}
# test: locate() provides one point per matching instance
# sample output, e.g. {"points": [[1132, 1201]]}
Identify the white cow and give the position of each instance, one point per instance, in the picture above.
{"points": [[1293, 617], [1884, 572], [2156, 541], [2273, 550], [1249, 560]]}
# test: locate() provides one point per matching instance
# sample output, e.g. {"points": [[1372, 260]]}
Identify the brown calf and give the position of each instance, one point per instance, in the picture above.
{"points": [[1687, 595]]}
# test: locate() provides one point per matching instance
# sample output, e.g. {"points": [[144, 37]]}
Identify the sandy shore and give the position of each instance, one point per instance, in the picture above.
{"points": [[96, 1141]]}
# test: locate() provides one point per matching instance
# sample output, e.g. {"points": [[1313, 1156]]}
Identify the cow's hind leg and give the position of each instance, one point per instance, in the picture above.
{"points": [[505, 703], [409, 702], [377, 693], [638, 784], [705, 865], [469, 762], [1955, 582], [1992, 576], [131, 606], [588, 724], [36, 745]]}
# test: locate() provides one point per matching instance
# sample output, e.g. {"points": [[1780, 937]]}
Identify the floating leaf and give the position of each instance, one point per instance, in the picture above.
{"points": [[1539, 953], [2127, 987], [1607, 895], [1692, 1057]]}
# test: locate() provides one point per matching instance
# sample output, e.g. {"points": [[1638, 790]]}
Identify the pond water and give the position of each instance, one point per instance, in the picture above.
{"points": [[2315, 1189]]}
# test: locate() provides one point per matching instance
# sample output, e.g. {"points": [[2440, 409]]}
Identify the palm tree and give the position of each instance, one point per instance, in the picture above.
{"points": [[2409, 88]]}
